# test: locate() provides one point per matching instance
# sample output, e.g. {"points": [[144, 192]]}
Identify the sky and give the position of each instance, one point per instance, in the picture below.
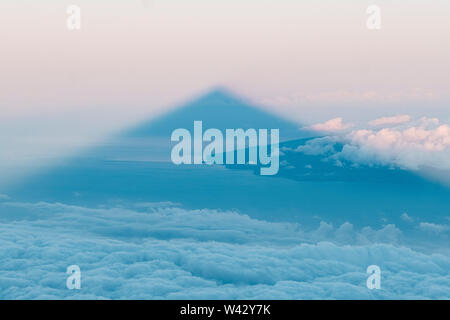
{"points": [[61, 90], [138, 57]]}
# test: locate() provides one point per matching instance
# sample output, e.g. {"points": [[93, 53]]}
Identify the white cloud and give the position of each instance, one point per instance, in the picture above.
{"points": [[433, 228], [173, 253], [318, 146], [332, 125], [422, 143], [410, 148], [390, 120], [406, 217], [428, 122], [436, 139]]}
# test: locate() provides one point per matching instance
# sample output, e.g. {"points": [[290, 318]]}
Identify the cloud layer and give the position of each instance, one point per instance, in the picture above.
{"points": [[159, 251]]}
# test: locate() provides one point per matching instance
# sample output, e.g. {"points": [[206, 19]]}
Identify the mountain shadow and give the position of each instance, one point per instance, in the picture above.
{"points": [[134, 166]]}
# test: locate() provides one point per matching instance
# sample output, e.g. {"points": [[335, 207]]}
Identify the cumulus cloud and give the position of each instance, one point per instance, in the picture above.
{"points": [[390, 120], [332, 125], [436, 139], [422, 143], [411, 148], [163, 252]]}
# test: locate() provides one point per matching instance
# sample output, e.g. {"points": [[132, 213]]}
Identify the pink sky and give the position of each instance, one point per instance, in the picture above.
{"points": [[134, 58]]}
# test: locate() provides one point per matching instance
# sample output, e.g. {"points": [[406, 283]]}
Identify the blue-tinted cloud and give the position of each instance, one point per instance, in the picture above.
{"points": [[169, 252]]}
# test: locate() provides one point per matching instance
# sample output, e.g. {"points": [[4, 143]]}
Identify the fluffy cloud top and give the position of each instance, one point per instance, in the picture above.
{"points": [[419, 138], [424, 143], [331, 126], [163, 252], [411, 148]]}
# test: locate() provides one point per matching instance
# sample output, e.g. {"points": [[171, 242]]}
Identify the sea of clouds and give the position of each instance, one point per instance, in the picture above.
{"points": [[163, 251]]}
